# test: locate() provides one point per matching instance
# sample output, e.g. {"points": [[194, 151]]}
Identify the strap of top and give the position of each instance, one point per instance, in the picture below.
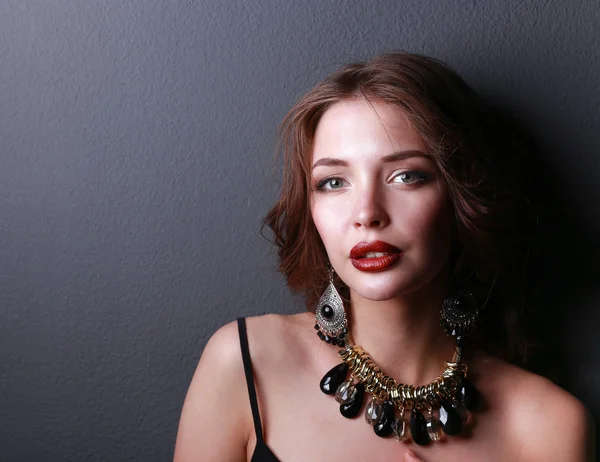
{"points": [[250, 378]]}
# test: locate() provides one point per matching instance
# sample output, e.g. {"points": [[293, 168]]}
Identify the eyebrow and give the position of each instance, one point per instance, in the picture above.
{"points": [[393, 157]]}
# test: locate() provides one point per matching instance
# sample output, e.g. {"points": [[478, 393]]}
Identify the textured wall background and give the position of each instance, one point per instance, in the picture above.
{"points": [[135, 167]]}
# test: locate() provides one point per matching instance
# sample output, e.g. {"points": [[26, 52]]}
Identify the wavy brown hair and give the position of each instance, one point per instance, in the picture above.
{"points": [[478, 154]]}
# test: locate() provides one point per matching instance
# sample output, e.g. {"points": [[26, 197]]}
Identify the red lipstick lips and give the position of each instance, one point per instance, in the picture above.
{"points": [[362, 261]]}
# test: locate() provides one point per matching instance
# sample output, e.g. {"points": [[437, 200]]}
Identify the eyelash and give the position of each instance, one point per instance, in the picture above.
{"points": [[421, 178]]}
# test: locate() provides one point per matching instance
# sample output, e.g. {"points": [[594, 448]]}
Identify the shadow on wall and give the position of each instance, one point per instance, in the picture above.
{"points": [[559, 315]]}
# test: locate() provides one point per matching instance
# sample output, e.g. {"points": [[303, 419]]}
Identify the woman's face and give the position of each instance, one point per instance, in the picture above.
{"points": [[378, 201]]}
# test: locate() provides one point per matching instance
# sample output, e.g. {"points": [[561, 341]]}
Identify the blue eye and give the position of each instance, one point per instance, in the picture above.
{"points": [[330, 183], [409, 177]]}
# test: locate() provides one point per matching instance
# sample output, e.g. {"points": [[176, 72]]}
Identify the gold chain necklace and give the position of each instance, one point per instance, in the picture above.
{"points": [[398, 408], [446, 400]]}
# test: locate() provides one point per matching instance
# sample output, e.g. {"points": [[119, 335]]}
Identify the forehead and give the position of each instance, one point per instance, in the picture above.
{"points": [[360, 127]]}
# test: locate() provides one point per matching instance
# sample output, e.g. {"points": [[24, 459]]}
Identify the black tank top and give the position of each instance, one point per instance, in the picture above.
{"points": [[262, 452]]}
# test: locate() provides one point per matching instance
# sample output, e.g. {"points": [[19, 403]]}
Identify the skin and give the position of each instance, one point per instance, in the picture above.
{"points": [[361, 196]]}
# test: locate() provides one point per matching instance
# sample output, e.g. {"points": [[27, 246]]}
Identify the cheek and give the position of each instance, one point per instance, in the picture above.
{"points": [[436, 225], [428, 218], [327, 220]]}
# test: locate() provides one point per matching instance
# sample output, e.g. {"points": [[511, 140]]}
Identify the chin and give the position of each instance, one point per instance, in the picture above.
{"points": [[380, 294], [380, 289], [379, 297], [388, 286]]}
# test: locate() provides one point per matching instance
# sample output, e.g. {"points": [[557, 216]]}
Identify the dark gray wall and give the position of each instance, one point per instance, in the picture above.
{"points": [[135, 166]]}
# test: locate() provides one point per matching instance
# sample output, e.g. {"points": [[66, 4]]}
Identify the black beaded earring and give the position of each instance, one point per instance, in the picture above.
{"points": [[459, 314], [330, 316]]}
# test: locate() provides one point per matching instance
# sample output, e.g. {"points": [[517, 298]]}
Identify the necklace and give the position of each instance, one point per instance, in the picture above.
{"points": [[425, 413]]}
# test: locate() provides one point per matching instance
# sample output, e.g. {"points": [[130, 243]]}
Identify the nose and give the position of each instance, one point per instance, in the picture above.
{"points": [[369, 209]]}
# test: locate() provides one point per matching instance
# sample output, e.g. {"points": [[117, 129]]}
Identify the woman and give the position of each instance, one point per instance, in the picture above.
{"points": [[401, 223]]}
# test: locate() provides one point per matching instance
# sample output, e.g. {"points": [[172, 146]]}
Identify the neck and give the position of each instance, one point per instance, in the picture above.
{"points": [[403, 335]]}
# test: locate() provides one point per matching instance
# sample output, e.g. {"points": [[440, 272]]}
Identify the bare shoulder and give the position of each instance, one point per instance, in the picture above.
{"points": [[214, 425], [216, 421], [276, 342], [543, 420], [277, 328]]}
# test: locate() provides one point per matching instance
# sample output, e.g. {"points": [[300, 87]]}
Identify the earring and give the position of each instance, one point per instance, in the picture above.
{"points": [[459, 314], [458, 317], [330, 316]]}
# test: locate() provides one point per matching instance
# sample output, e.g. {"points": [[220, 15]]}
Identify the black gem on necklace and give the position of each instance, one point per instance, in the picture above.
{"points": [[469, 395], [351, 409], [418, 428], [383, 428], [333, 379], [450, 419]]}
